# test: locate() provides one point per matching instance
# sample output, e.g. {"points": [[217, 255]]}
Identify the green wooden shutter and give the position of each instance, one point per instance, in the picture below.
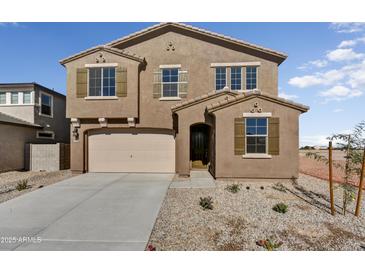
{"points": [[239, 136], [183, 84], [274, 136], [157, 75], [121, 81], [81, 82]]}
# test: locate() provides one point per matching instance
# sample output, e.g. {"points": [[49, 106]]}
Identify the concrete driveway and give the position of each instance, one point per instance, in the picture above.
{"points": [[94, 211]]}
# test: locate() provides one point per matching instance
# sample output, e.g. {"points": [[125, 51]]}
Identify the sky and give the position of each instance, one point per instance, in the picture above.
{"points": [[325, 68]]}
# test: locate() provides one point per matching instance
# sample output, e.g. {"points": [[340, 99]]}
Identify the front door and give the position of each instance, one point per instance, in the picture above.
{"points": [[199, 146]]}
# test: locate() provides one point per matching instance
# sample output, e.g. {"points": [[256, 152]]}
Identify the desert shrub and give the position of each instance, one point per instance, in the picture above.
{"points": [[268, 244], [23, 184], [206, 202], [280, 207], [234, 188]]}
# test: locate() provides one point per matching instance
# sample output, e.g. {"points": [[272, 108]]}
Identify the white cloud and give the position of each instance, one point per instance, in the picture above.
{"points": [[319, 78], [348, 27], [287, 96], [314, 140], [338, 55], [315, 63], [338, 110], [9, 24], [347, 43], [339, 93], [351, 43]]}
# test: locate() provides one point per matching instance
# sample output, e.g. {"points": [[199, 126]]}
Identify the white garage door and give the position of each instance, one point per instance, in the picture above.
{"points": [[125, 152]]}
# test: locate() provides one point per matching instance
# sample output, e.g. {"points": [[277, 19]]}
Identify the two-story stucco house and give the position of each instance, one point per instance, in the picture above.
{"points": [[29, 113], [173, 97]]}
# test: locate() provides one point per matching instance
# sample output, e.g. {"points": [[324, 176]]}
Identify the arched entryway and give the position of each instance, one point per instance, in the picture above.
{"points": [[200, 146]]}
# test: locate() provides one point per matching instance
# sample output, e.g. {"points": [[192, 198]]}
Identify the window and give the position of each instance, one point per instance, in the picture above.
{"points": [[46, 104], [2, 98], [170, 82], [256, 135], [14, 98], [27, 99], [236, 78], [251, 78], [102, 81], [220, 78], [45, 134]]}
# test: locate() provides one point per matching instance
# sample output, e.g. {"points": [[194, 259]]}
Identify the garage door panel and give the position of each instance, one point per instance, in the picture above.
{"points": [[124, 152]]}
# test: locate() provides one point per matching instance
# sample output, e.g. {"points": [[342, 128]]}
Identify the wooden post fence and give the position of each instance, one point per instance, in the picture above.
{"points": [[330, 178], [361, 184]]}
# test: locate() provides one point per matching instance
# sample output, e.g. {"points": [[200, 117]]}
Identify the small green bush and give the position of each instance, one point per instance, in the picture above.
{"points": [[23, 184], [206, 202], [234, 188], [269, 244], [281, 208]]}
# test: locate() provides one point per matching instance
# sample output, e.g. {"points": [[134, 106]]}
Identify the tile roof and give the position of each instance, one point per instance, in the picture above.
{"points": [[121, 52], [256, 93], [199, 30], [200, 98], [5, 118]]}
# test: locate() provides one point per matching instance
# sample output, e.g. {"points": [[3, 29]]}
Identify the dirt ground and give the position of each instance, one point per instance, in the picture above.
{"points": [[238, 220], [320, 170]]}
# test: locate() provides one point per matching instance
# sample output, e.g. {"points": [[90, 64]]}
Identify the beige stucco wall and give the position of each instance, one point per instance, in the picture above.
{"points": [[121, 107], [12, 145], [285, 165]]}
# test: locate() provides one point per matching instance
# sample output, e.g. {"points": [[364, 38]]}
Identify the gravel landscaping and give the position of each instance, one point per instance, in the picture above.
{"points": [[9, 181], [239, 220]]}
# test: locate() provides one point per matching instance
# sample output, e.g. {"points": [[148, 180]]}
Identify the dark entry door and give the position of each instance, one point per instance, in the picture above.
{"points": [[199, 144]]}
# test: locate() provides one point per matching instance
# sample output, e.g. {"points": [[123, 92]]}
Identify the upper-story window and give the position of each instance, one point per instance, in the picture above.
{"points": [[102, 81], [170, 82], [236, 78], [14, 98], [27, 97], [2, 98], [46, 104], [251, 78], [256, 135], [220, 78]]}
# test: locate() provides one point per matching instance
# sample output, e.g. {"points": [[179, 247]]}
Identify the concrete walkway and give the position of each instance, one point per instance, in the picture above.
{"points": [[197, 179], [94, 211]]}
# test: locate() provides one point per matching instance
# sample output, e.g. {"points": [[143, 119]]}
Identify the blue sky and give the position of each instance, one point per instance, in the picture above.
{"points": [[325, 68]]}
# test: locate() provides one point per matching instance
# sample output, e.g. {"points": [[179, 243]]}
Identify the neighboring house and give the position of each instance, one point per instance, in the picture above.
{"points": [[29, 113], [174, 97]]}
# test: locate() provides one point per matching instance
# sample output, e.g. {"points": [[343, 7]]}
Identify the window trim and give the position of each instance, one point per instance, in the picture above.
{"points": [[241, 78], [256, 155], [215, 78], [20, 98], [11, 93], [101, 97], [257, 78], [45, 131], [170, 98], [40, 104]]}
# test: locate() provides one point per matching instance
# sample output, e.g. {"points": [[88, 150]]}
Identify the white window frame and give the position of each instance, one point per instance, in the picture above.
{"points": [[168, 98], [6, 98], [257, 155], [257, 78], [241, 74], [45, 131], [215, 78], [101, 97], [17, 92], [31, 97], [40, 104]]}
